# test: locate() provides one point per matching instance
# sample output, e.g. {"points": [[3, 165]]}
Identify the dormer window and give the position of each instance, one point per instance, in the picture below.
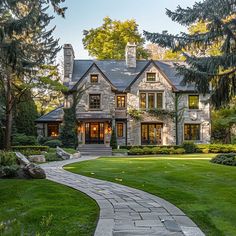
{"points": [[120, 101], [93, 79], [151, 77]]}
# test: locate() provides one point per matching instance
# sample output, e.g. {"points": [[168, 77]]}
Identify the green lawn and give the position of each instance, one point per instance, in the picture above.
{"points": [[205, 192], [44, 208]]}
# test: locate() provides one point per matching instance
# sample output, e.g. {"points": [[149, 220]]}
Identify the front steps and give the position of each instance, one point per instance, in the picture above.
{"points": [[95, 150]]}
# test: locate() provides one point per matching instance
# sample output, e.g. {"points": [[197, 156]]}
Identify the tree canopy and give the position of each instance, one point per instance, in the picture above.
{"points": [[217, 70], [109, 40], [26, 45]]}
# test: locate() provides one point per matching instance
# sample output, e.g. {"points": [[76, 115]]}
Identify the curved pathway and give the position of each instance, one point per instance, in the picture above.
{"points": [[125, 211]]}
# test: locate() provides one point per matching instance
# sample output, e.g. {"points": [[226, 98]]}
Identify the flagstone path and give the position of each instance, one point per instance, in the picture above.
{"points": [[125, 211]]}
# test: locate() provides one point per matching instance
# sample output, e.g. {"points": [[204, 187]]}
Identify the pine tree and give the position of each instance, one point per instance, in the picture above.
{"points": [[26, 113], [25, 45], [219, 70]]}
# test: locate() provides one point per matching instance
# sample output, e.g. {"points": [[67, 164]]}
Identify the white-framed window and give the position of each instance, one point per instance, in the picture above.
{"points": [[151, 100]]}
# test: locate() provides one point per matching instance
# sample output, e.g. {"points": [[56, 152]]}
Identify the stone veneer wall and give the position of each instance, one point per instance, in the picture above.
{"points": [[200, 116], [161, 85]]}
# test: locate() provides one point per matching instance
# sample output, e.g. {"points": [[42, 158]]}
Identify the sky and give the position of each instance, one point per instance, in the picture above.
{"points": [[86, 14]]}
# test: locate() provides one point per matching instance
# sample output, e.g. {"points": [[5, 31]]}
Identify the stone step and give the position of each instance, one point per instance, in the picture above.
{"points": [[96, 153]]}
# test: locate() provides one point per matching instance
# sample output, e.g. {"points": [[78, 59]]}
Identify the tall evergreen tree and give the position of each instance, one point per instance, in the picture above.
{"points": [[25, 45], [26, 113], [204, 70]]}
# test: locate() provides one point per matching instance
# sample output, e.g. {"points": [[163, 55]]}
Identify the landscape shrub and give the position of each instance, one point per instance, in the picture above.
{"points": [[225, 159], [9, 171], [189, 147], [217, 148], [7, 158], [35, 148], [8, 164], [136, 151], [22, 139], [53, 143], [179, 151]]}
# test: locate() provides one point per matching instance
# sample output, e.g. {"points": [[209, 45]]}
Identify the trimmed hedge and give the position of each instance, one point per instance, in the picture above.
{"points": [[30, 150], [186, 147], [228, 159], [155, 150], [22, 139]]}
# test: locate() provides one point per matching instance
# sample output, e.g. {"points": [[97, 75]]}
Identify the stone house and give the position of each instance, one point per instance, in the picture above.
{"points": [[143, 100]]}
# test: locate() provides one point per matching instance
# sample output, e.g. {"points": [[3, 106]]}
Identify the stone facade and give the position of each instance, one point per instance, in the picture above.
{"points": [[128, 80]]}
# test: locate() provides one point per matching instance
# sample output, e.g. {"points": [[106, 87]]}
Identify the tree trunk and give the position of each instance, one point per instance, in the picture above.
{"points": [[9, 113]]}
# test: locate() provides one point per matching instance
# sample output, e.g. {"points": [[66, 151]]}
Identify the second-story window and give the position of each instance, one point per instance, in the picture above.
{"points": [[151, 77], [143, 100], [93, 79], [94, 101], [151, 101], [193, 102], [120, 101]]}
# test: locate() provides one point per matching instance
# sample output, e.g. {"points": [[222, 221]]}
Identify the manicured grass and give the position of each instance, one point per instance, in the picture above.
{"points": [[206, 192], [41, 207]]}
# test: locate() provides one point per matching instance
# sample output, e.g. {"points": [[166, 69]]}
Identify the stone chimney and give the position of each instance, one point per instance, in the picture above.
{"points": [[68, 62], [130, 55]]}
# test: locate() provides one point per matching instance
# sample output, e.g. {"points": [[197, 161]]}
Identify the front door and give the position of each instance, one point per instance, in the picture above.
{"points": [[94, 133], [151, 134]]}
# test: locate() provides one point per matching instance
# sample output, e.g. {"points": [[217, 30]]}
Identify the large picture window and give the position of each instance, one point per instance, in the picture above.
{"points": [[193, 102], [192, 132], [151, 134], [94, 101]]}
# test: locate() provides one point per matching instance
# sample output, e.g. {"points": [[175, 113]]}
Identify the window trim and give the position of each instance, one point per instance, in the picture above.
{"points": [[90, 77], [197, 140], [197, 95], [120, 123], [95, 94], [150, 72], [120, 95]]}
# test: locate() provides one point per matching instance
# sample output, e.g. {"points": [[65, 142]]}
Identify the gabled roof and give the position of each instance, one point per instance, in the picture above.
{"points": [[122, 77], [55, 115]]}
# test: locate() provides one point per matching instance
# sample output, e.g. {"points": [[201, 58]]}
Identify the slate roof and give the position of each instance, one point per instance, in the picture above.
{"points": [[121, 76], [55, 115]]}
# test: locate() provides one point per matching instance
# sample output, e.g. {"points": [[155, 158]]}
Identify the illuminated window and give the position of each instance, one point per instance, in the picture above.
{"points": [[143, 100], [151, 100], [53, 130], [94, 79], [191, 132], [120, 101], [94, 101], [120, 130], [193, 101], [151, 77]]}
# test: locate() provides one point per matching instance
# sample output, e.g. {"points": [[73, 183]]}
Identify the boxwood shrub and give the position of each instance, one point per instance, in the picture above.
{"points": [[53, 143], [225, 159]]}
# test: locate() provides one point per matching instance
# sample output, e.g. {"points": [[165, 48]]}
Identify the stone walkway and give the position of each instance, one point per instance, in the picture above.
{"points": [[125, 211]]}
